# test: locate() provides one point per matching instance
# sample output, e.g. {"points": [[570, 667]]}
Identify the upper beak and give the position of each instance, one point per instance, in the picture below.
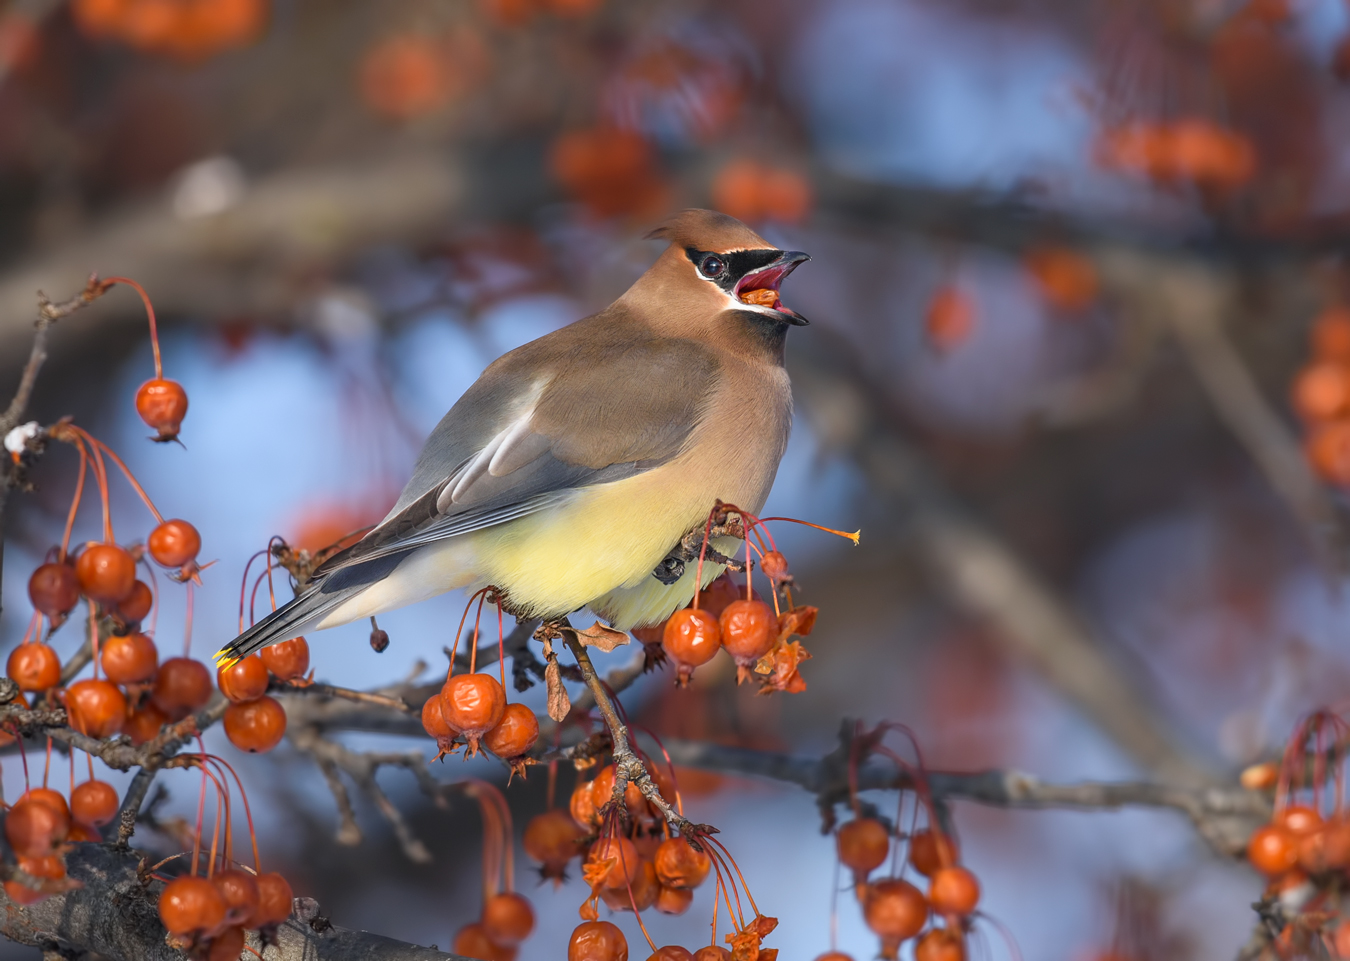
{"points": [[771, 275]]}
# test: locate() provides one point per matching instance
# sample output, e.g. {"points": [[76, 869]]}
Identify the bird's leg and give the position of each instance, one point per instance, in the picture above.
{"points": [[671, 568], [627, 765]]}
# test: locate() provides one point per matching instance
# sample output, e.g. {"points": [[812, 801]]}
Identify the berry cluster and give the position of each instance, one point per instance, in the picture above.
{"points": [[185, 29], [1195, 151], [1304, 850], [41, 825], [507, 918]]}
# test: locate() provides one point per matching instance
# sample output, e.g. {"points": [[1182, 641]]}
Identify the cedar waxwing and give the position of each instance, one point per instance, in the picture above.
{"points": [[571, 469]]}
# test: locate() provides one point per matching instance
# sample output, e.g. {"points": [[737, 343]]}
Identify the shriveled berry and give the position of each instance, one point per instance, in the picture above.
{"points": [[671, 952], [96, 708], [515, 733], [174, 543], [433, 722], [749, 630], [508, 918], [712, 952], [1273, 850], [929, 851], [255, 726], [597, 941], [275, 900], [144, 724], [674, 900], [135, 607], [129, 659], [162, 404], [471, 941], [775, 566], [182, 687], [691, 638], [624, 856], [35, 829], [106, 573], [54, 590], [240, 891], [863, 844], [286, 659], [894, 910], [189, 905], [953, 891], [582, 805], [244, 680], [678, 865], [553, 839], [34, 667], [94, 802], [472, 704], [940, 944], [642, 891]]}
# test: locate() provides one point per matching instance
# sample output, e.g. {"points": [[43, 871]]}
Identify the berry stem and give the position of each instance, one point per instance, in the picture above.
{"points": [[150, 314], [75, 502], [104, 448], [855, 537], [243, 587]]}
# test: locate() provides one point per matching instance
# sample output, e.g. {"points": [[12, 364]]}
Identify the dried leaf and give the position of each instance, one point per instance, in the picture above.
{"points": [[799, 621], [559, 704], [602, 637], [785, 676]]}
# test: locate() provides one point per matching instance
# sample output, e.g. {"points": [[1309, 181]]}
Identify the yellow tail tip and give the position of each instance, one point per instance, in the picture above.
{"points": [[224, 660]]}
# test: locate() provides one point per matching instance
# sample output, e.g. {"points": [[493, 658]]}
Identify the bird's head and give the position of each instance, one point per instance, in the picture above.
{"points": [[721, 263]]}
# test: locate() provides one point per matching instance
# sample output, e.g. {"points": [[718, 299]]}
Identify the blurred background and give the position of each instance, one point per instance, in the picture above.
{"points": [[1077, 368]]}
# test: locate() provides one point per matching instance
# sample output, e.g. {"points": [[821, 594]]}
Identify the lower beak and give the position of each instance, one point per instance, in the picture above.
{"points": [[782, 266]]}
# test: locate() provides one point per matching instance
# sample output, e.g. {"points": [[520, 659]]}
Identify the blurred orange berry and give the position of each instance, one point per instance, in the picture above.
{"points": [[1260, 777], [751, 191], [100, 18], [1328, 449], [19, 41], [404, 76], [509, 13], [1212, 155], [1067, 279], [1322, 391], [950, 318], [609, 169], [1330, 334]]}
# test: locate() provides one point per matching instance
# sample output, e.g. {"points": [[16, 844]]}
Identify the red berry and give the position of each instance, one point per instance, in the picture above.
{"points": [[43, 795], [275, 900], [678, 865], [691, 638], [96, 708], [472, 704], [54, 590], [34, 667], [174, 543], [929, 851], [1299, 819], [674, 900], [189, 905], [716, 596], [602, 791], [145, 724], [94, 802], [553, 839], [162, 404], [49, 868], [749, 630], [228, 945], [240, 891], [940, 944], [582, 805], [35, 829], [644, 891], [1273, 850], [712, 952], [106, 573], [286, 659], [129, 659], [863, 844], [597, 941], [515, 733], [894, 910], [136, 606], [433, 722], [256, 726], [182, 687], [83, 832], [624, 855], [954, 890], [508, 918], [775, 566], [471, 941], [671, 952], [244, 680]]}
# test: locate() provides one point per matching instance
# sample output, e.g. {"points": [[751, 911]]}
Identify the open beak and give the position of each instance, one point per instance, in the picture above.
{"points": [[760, 287]]}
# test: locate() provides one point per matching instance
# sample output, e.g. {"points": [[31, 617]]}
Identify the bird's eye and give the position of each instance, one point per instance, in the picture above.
{"points": [[712, 266]]}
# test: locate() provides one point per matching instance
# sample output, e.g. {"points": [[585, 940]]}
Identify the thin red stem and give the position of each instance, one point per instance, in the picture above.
{"points": [[150, 314]]}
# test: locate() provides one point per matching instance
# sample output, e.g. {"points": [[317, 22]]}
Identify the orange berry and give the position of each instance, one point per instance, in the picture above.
{"points": [[894, 910], [472, 941], [244, 680], [625, 856], [1273, 850], [785, 196], [834, 956], [953, 890], [174, 543], [674, 900], [736, 190], [712, 952], [240, 891], [404, 76], [508, 918], [275, 900], [597, 941], [602, 791], [1330, 334], [228, 945], [749, 630], [775, 566], [34, 667], [54, 590], [678, 865], [189, 905], [940, 944], [286, 659], [144, 724], [106, 573], [645, 889], [182, 687], [129, 659], [691, 638], [1328, 449], [1260, 777], [135, 606], [43, 795], [929, 851], [671, 952], [96, 708], [553, 839], [162, 404], [1321, 391], [1066, 278], [35, 829], [94, 802], [515, 733], [256, 726], [863, 844], [582, 805], [99, 18], [433, 722], [1299, 819], [950, 318], [473, 704], [49, 868]]}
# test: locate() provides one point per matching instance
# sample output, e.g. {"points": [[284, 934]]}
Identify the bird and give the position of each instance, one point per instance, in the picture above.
{"points": [[570, 470]]}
